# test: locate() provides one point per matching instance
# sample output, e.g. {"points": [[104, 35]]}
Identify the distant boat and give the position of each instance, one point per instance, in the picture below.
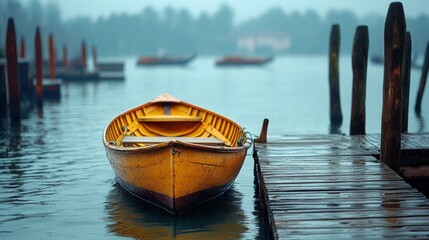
{"points": [[165, 60], [174, 154], [243, 61]]}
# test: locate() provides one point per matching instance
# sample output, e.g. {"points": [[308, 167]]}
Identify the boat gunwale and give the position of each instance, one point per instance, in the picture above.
{"points": [[172, 143], [107, 144]]}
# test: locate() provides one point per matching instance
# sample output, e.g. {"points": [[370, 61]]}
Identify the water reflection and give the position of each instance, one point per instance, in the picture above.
{"points": [[335, 129], [220, 218], [10, 148], [391, 206], [420, 123], [258, 209]]}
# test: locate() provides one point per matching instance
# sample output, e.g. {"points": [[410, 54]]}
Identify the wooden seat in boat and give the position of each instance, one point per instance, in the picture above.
{"points": [[169, 118], [157, 140]]}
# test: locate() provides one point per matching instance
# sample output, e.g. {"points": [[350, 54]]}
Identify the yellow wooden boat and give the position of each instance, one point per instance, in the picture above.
{"points": [[174, 154]]}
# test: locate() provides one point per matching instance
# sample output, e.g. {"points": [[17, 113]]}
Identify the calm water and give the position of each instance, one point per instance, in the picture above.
{"points": [[56, 182]]}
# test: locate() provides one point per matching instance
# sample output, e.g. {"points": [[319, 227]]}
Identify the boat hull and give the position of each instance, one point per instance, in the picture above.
{"points": [[242, 61], [165, 60], [176, 175]]}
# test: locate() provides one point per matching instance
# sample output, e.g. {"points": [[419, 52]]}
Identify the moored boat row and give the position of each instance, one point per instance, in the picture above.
{"points": [[184, 60]]}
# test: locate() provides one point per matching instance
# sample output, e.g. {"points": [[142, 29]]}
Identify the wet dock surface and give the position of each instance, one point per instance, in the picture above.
{"points": [[332, 186]]}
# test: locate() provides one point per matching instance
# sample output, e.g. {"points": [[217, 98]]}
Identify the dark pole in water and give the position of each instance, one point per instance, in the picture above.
{"points": [[65, 56], [263, 136], [406, 83], [394, 38], [12, 72], [94, 57], [83, 55], [425, 67], [38, 60], [359, 65], [51, 56], [3, 90], [334, 78], [22, 51]]}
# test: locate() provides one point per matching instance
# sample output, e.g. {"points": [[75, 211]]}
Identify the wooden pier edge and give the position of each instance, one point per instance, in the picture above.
{"points": [[263, 195]]}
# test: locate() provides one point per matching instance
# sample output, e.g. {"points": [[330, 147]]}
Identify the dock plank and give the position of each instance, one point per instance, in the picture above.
{"points": [[409, 141], [333, 187]]}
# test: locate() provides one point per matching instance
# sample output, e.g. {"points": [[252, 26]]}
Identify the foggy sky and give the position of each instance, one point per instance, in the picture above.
{"points": [[243, 9]]}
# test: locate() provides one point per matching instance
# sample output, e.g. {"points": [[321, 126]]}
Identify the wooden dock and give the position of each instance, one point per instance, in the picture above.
{"points": [[333, 187]]}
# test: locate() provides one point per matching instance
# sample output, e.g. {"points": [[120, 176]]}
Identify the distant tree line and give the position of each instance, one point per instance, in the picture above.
{"points": [[175, 31]]}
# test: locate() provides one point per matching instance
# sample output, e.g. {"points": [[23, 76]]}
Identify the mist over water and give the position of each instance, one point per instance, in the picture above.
{"points": [[175, 30]]}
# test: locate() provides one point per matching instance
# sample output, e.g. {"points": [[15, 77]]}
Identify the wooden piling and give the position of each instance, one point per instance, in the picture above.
{"points": [[65, 56], [334, 76], [263, 136], [83, 55], [22, 51], [406, 83], [26, 86], [394, 38], [3, 90], [425, 67], [12, 72], [38, 60], [94, 57], [359, 65], [51, 56]]}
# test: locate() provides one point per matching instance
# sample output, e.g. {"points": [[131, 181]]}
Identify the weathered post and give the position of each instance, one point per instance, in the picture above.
{"points": [[26, 86], [359, 65], [39, 73], [22, 51], [51, 56], [334, 76], [83, 55], [263, 136], [418, 106], [3, 90], [394, 38], [12, 72], [406, 83], [94, 57], [65, 56]]}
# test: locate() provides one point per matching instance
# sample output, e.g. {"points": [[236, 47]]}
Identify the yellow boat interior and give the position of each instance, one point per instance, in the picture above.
{"points": [[166, 119]]}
